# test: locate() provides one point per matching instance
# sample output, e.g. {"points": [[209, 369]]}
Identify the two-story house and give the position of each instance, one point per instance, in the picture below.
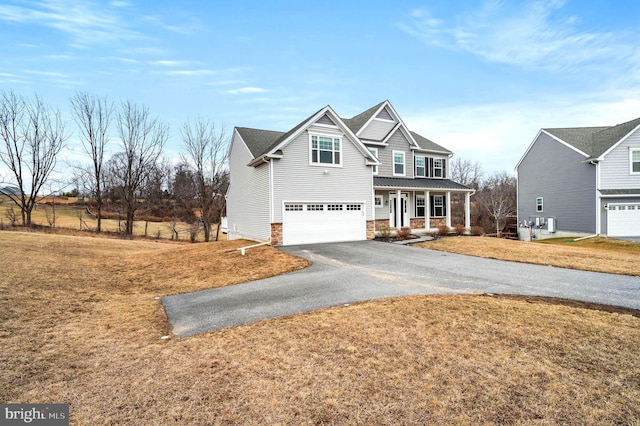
{"points": [[581, 180], [334, 179]]}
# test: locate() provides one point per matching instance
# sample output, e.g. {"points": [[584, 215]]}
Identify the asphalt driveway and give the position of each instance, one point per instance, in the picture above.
{"points": [[356, 271]]}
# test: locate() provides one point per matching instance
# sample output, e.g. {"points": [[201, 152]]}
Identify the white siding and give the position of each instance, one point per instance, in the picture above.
{"points": [[397, 142], [296, 180], [615, 168], [376, 130], [248, 195]]}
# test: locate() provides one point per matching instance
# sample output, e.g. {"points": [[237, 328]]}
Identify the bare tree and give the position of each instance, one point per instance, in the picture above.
{"points": [[32, 135], [498, 197], [466, 172], [93, 117], [205, 151], [143, 139]]}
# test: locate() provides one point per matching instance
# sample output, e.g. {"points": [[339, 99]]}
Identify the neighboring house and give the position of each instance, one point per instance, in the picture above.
{"points": [[581, 180], [334, 179]]}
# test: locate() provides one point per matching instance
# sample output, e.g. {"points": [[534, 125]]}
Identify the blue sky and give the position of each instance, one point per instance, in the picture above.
{"points": [[478, 77]]}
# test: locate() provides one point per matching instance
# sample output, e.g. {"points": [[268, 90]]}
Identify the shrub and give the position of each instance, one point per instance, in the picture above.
{"points": [[404, 232], [477, 231], [443, 230], [385, 231], [458, 229]]}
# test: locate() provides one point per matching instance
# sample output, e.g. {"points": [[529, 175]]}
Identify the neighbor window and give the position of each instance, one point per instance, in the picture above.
{"points": [[420, 167], [374, 151], [437, 206], [539, 204], [325, 150], [635, 160], [419, 205], [398, 163]]}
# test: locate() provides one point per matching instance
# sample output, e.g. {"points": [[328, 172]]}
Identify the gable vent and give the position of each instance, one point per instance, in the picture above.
{"points": [[325, 120], [384, 115]]}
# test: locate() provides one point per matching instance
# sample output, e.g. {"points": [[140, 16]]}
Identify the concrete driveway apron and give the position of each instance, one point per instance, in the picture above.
{"points": [[351, 272]]}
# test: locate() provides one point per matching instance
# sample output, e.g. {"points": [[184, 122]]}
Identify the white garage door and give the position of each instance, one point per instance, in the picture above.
{"points": [[304, 223], [623, 220]]}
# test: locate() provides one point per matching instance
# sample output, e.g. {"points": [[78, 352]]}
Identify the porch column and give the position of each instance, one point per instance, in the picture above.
{"points": [[427, 211], [467, 210], [449, 209], [397, 218]]}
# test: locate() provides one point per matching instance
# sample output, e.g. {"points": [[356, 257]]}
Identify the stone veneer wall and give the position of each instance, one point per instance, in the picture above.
{"points": [[276, 234], [434, 223], [416, 222], [371, 229]]}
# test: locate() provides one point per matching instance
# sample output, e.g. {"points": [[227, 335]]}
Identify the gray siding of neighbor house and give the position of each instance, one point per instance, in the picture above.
{"points": [[295, 179], [397, 142], [248, 195], [568, 186], [615, 168], [376, 130]]}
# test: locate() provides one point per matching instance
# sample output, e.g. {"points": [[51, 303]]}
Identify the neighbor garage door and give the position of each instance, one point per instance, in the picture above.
{"points": [[623, 220], [305, 223]]}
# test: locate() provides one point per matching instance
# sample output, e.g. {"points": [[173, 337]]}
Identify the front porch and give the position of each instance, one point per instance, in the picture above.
{"points": [[423, 205]]}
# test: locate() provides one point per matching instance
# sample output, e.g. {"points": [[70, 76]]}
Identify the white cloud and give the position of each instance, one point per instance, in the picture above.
{"points": [[169, 63], [531, 35], [246, 90]]}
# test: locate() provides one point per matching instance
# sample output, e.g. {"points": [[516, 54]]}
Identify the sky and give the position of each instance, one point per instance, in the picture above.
{"points": [[479, 77]]}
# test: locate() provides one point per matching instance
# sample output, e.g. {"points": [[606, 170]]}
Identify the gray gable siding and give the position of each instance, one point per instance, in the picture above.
{"points": [[558, 174], [248, 195], [397, 142], [294, 179], [615, 167], [377, 130]]}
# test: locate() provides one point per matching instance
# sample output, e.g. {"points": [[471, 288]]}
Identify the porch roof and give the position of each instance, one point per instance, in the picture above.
{"points": [[426, 184]]}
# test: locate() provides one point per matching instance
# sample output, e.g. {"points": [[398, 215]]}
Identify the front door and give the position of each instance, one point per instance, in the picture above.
{"points": [[398, 219]]}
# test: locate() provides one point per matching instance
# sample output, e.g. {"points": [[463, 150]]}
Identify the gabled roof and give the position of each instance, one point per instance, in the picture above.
{"points": [[355, 123], [426, 144], [258, 141], [594, 141]]}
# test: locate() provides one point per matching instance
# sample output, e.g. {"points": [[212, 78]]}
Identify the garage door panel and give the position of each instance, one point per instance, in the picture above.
{"points": [[305, 223], [623, 220]]}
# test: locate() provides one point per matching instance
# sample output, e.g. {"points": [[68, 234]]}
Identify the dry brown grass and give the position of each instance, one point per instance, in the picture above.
{"points": [[595, 254], [80, 324]]}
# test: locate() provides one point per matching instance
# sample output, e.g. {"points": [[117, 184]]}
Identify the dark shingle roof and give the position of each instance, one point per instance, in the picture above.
{"points": [[258, 141], [420, 183], [425, 143], [355, 123], [594, 141], [620, 191]]}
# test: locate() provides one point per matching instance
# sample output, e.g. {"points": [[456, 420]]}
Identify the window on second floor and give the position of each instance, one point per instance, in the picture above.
{"points": [[374, 151], [326, 150], [539, 204], [438, 167], [420, 167], [635, 160], [398, 163]]}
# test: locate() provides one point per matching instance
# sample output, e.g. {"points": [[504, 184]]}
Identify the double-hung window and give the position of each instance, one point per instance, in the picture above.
{"points": [[635, 160], [398, 163], [539, 205], [420, 167], [437, 206], [438, 167], [326, 150], [419, 205], [374, 151]]}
